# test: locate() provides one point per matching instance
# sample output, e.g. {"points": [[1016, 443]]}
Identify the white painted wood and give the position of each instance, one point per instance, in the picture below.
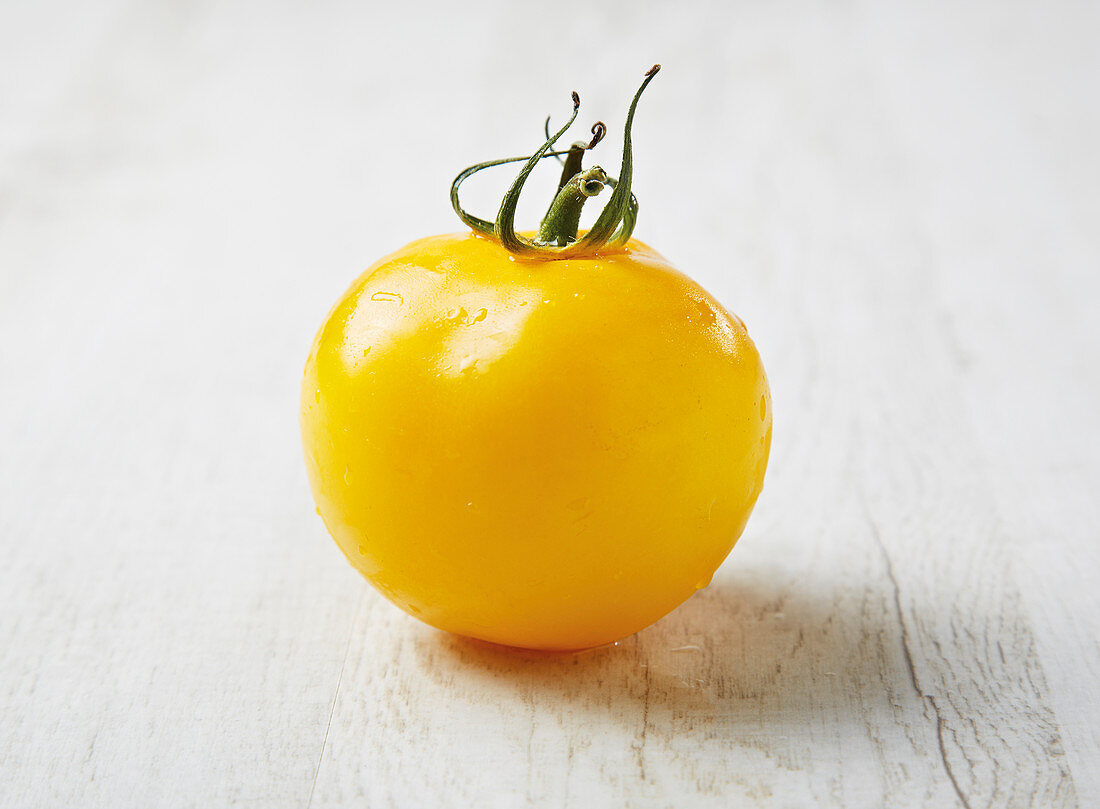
{"points": [[901, 202]]}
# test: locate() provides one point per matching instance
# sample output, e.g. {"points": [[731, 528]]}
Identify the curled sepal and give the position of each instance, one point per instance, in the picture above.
{"points": [[506, 217], [622, 208], [626, 228], [475, 222]]}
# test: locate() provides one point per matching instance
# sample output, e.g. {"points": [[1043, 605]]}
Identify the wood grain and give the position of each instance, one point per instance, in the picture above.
{"points": [[901, 202]]}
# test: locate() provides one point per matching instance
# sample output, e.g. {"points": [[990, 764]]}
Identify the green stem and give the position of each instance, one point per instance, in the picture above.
{"points": [[564, 217]]}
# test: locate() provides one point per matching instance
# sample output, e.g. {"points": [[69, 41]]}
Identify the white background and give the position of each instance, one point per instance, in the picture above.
{"points": [[902, 202]]}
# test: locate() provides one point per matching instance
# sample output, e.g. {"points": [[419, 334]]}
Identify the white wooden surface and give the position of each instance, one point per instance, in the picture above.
{"points": [[903, 203]]}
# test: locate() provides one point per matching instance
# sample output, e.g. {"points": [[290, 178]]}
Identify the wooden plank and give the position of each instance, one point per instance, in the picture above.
{"points": [[171, 620], [1007, 195]]}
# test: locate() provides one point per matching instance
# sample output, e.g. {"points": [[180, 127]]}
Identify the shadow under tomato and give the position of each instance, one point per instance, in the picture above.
{"points": [[747, 649]]}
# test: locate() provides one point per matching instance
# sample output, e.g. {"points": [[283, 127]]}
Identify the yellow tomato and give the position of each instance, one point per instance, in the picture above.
{"points": [[545, 454]]}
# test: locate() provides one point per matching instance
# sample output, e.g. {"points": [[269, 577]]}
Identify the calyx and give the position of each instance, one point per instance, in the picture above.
{"points": [[558, 235]]}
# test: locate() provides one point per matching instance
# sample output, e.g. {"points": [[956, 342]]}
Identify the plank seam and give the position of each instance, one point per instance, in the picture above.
{"points": [[906, 652], [336, 693]]}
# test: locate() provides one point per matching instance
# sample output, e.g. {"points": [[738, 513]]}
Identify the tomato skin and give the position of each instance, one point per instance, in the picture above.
{"points": [[544, 454]]}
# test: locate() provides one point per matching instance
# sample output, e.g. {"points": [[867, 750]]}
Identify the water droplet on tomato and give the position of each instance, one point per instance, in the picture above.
{"points": [[366, 351], [699, 585], [706, 311], [763, 407], [392, 297], [480, 315]]}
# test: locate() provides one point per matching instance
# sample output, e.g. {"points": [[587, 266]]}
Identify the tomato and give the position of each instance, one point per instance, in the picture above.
{"points": [[541, 453]]}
